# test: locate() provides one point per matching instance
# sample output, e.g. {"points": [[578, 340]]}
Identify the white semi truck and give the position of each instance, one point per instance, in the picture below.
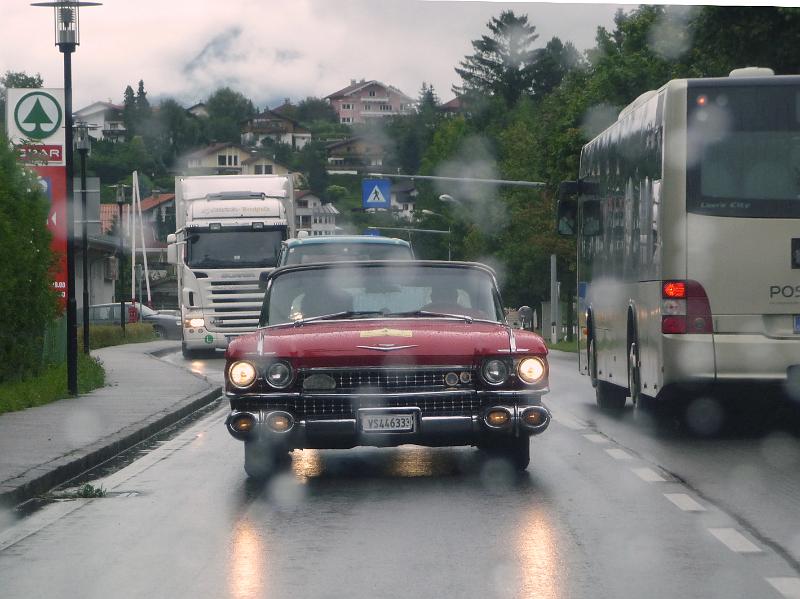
{"points": [[229, 231]]}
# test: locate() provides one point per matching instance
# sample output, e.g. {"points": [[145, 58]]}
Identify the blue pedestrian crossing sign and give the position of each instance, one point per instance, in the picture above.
{"points": [[376, 193]]}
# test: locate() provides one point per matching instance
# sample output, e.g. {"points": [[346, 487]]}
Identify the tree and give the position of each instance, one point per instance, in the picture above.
{"points": [[129, 114], [12, 80], [315, 109], [502, 64], [25, 268], [226, 111], [553, 63]]}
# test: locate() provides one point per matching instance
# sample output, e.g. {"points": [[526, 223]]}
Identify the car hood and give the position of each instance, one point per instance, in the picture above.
{"points": [[379, 342]]}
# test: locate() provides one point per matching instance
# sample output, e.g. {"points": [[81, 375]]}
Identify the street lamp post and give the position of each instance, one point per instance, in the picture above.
{"points": [[121, 237], [449, 232], [67, 34], [83, 143]]}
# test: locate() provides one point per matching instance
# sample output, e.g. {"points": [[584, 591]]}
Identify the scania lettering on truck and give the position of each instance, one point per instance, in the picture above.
{"points": [[687, 216], [229, 232]]}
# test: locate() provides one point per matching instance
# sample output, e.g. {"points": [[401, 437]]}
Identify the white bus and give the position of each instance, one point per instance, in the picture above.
{"points": [[687, 216]]}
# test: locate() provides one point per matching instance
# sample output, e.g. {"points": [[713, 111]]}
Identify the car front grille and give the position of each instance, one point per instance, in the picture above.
{"points": [[331, 407], [393, 380]]}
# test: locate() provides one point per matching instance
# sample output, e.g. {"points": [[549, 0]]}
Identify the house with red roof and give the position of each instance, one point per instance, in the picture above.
{"points": [[364, 100]]}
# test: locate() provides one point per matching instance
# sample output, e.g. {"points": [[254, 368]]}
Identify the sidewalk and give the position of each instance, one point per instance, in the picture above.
{"points": [[45, 446]]}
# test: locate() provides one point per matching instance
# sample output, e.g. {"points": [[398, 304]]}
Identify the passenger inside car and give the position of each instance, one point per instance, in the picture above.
{"points": [[443, 299]]}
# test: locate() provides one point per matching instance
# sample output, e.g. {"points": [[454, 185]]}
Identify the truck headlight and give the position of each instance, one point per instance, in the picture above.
{"points": [[279, 375], [195, 323], [531, 370], [242, 374]]}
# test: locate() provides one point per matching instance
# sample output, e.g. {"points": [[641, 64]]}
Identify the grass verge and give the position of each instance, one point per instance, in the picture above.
{"points": [[50, 385], [568, 346], [105, 335]]}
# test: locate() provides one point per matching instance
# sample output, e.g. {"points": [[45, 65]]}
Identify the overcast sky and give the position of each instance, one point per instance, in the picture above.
{"points": [[270, 49]]}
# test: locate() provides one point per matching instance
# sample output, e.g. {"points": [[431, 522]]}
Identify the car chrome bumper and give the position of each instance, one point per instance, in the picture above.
{"points": [[321, 432]]}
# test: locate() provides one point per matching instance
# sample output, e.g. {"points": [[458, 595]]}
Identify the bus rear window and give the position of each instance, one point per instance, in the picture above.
{"points": [[743, 154]]}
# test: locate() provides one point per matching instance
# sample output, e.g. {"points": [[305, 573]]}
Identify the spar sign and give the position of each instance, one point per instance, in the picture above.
{"points": [[35, 124]]}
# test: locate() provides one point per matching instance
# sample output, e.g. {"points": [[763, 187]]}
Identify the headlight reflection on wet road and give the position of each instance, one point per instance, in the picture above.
{"points": [[539, 562], [247, 572]]}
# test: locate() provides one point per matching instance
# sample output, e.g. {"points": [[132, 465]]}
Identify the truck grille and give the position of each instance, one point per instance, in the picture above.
{"points": [[235, 305]]}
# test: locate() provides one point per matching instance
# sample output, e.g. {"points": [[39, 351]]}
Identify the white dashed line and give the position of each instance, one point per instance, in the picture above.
{"points": [[568, 421], [648, 475], [595, 438], [787, 586], [619, 454], [684, 502], [734, 540]]}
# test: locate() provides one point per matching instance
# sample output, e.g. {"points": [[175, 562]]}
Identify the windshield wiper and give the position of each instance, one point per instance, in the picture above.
{"points": [[429, 314], [334, 315]]}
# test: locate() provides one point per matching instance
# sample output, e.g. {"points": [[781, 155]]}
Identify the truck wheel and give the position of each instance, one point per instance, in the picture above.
{"points": [[592, 361], [634, 374], [188, 354], [610, 397]]}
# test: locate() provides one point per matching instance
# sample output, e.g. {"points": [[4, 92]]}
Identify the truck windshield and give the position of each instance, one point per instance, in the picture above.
{"points": [[234, 249], [744, 150]]}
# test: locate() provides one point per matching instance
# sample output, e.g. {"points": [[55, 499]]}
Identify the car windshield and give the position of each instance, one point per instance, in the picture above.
{"points": [[339, 252], [365, 290]]}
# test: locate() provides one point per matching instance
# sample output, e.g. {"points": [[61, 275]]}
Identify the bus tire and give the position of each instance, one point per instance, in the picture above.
{"points": [[610, 397], [591, 361], [634, 373]]}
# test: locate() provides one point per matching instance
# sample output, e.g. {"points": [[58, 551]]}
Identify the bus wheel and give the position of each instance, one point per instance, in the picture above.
{"points": [[610, 397], [592, 362], [634, 374]]}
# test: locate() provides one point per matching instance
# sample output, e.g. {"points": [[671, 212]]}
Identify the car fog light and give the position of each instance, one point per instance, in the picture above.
{"points": [[242, 374], [243, 423], [465, 377], [533, 417], [497, 418], [531, 370], [279, 422]]}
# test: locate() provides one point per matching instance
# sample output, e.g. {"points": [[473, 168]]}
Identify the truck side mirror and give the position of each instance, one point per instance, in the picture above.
{"points": [[172, 253], [262, 280]]}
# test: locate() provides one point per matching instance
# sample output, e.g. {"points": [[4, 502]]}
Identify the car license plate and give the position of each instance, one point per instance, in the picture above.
{"points": [[797, 323], [387, 423]]}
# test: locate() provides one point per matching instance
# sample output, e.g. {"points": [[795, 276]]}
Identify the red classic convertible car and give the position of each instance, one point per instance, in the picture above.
{"points": [[383, 354]]}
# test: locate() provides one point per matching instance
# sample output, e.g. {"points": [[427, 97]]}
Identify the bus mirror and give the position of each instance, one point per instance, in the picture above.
{"points": [[567, 189], [592, 219], [566, 211], [172, 253]]}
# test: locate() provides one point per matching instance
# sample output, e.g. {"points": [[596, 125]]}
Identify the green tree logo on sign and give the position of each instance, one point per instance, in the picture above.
{"points": [[38, 115]]}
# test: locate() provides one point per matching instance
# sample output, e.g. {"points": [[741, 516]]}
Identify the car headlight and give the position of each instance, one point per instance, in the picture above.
{"points": [[242, 374], [531, 370], [279, 375], [495, 372], [195, 323]]}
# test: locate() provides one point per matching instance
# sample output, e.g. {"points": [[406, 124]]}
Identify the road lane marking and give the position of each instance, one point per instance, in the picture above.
{"points": [[619, 454], [595, 438], [734, 540], [786, 586], [684, 502], [648, 475], [568, 421]]}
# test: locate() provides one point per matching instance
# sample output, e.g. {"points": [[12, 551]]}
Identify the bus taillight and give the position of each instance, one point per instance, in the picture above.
{"points": [[685, 308]]}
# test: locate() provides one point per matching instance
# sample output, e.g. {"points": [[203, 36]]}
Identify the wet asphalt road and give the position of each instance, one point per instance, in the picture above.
{"points": [[611, 506]]}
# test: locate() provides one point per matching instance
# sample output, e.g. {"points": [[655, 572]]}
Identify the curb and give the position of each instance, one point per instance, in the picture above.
{"points": [[46, 476]]}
